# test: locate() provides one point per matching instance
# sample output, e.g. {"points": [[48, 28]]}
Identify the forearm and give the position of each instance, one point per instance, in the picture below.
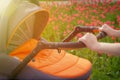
{"points": [[109, 48], [116, 33]]}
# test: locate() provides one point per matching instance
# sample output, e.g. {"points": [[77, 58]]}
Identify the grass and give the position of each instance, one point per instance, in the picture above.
{"points": [[64, 18]]}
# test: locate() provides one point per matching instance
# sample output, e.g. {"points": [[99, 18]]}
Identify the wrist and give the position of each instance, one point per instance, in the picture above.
{"points": [[114, 33], [96, 47]]}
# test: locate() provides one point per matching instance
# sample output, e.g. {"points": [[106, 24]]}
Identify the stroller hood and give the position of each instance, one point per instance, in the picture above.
{"points": [[20, 20]]}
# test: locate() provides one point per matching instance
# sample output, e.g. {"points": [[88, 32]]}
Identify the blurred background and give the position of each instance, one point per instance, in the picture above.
{"points": [[66, 14]]}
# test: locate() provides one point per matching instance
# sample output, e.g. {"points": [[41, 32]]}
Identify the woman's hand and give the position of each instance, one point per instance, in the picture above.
{"points": [[90, 41], [107, 29]]}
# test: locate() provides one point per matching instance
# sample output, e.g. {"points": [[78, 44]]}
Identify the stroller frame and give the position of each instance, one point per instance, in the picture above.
{"points": [[65, 44]]}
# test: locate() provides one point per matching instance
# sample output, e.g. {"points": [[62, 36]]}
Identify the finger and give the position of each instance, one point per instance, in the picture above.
{"points": [[105, 25], [101, 29], [82, 40], [87, 34], [90, 35]]}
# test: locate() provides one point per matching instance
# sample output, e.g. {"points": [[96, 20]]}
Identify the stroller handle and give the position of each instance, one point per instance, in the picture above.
{"points": [[79, 29], [66, 45]]}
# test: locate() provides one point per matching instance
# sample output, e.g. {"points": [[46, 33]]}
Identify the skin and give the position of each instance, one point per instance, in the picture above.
{"points": [[102, 47]]}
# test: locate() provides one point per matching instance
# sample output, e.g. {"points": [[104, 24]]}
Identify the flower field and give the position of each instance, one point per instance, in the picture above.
{"points": [[65, 16]]}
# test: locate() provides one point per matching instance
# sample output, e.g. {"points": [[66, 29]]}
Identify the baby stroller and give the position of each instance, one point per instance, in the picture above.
{"points": [[31, 57]]}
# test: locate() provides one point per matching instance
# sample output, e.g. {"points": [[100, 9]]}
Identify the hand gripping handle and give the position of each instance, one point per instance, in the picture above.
{"points": [[79, 29]]}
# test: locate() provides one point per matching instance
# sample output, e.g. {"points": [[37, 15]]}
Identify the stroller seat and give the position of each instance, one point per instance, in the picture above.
{"points": [[49, 61]]}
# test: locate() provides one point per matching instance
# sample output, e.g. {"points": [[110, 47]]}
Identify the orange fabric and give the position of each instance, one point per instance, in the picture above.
{"points": [[50, 61]]}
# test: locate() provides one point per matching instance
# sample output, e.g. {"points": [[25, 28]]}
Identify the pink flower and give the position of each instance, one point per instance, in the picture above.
{"points": [[82, 22], [65, 33], [113, 26], [74, 1], [77, 8], [119, 9], [72, 18], [60, 17], [79, 35], [68, 26], [79, 21], [95, 11], [118, 2], [94, 24], [75, 15], [108, 22], [113, 8], [109, 1], [68, 31], [118, 18], [102, 15], [87, 24], [105, 11], [99, 1], [86, 16], [113, 38], [99, 23], [113, 23], [82, 9], [56, 28]]}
